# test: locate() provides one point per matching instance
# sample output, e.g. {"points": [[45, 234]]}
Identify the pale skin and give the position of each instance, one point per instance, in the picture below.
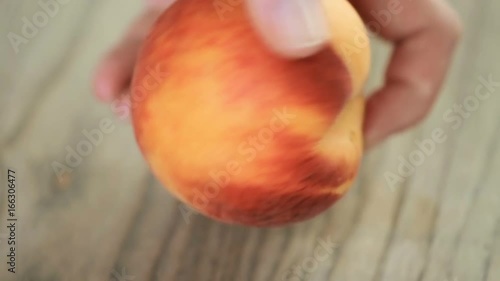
{"points": [[424, 35]]}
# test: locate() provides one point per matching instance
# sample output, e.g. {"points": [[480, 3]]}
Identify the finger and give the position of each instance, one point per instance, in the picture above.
{"points": [[114, 72], [293, 28], [122, 105], [425, 34]]}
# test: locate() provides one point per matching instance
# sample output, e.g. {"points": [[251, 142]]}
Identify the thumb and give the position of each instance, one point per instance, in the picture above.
{"points": [[292, 28]]}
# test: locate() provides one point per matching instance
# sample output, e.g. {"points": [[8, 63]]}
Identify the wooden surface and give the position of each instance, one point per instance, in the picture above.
{"points": [[110, 220]]}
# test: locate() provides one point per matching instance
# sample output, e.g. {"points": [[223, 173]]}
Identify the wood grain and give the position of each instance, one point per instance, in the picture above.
{"points": [[109, 219]]}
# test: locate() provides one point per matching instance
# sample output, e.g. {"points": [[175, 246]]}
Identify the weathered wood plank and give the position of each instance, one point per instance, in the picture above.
{"points": [[109, 218]]}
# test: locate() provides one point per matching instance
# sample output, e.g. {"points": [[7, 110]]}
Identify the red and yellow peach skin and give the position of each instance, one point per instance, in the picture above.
{"points": [[243, 135]]}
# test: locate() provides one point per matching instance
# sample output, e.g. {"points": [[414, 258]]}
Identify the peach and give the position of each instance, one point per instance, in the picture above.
{"points": [[241, 134]]}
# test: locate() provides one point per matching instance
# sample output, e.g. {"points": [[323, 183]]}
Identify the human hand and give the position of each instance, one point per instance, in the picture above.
{"points": [[114, 72], [424, 34]]}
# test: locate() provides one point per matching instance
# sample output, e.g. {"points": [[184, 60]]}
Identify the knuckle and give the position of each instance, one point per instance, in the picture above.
{"points": [[424, 96]]}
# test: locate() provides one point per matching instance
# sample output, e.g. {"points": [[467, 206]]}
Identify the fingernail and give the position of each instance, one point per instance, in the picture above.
{"points": [[294, 28], [103, 89]]}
